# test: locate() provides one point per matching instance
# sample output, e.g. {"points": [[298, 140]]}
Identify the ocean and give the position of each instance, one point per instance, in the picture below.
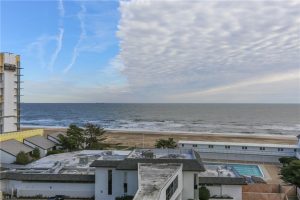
{"points": [[281, 119]]}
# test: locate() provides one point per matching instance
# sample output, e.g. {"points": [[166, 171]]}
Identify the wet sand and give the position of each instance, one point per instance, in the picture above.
{"points": [[148, 138]]}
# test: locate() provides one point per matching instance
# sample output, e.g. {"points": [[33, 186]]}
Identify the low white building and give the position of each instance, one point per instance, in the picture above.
{"points": [[117, 176], [242, 151], [54, 137], [9, 150], [148, 174], [40, 142]]}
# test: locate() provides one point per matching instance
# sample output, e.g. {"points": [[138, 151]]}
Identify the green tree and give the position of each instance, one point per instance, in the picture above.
{"points": [[22, 158], [166, 143], [290, 172], [94, 137], [204, 193], [73, 140], [36, 153], [286, 160]]}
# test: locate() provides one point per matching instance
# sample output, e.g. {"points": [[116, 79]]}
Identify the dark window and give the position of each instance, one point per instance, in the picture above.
{"points": [[172, 188], [194, 145], [244, 147], [195, 181], [125, 183], [182, 145], [125, 188], [295, 150], [280, 149], [109, 179], [210, 146], [227, 147], [262, 148]]}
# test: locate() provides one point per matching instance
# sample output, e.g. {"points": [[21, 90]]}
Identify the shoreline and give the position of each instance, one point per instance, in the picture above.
{"points": [[147, 139], [159, 132]]}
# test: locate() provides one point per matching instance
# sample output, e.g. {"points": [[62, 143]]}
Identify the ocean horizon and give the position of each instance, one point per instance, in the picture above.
{"points": [[281, 119]]}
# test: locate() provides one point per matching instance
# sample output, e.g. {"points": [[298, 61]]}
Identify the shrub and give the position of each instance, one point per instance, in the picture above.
{"points": [[55, 152], [291, 172], [36, 153], [204, 193], [166, 143], [22, 158]]}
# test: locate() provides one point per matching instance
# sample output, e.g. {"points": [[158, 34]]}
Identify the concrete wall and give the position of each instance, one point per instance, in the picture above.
{"points": [[21, 135], [101, 183], [178, 192], [234, 191], [188, 191], [6, 157], [48, 189]]}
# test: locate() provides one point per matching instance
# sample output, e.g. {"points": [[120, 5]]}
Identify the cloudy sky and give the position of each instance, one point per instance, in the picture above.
{"points": [[155, 51]]}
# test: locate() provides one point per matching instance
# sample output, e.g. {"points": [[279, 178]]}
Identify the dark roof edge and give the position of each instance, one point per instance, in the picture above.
{"points": [[47, 177]]}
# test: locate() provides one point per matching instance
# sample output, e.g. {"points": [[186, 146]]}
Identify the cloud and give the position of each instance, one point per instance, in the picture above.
{"points": [[58, 48], [38, 48], [246, 86], [56, 89], [61, 8], [170, 48], [82, 36], [40, 45]]}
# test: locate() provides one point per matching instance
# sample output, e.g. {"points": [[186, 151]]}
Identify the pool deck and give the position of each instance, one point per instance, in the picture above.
{"points": [[270, 171]]}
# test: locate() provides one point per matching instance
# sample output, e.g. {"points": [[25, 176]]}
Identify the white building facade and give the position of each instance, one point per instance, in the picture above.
{"points": [[242, 151], [9, 92]]}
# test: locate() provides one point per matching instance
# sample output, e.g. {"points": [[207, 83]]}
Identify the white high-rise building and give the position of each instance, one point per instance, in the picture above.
{"points": [[9, 92]]}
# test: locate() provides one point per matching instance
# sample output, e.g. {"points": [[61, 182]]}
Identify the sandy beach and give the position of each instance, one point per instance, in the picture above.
{"points": [[148, 138]]}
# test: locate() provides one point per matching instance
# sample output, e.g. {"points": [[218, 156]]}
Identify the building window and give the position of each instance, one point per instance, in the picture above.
{"points": [[182, 145], [244, 147], [295, 150], [125, 183], [195, 181], [172, 188], [262, 148], [227, 147], [280, 149], [210, 146], [194, 145], [109, 181]]}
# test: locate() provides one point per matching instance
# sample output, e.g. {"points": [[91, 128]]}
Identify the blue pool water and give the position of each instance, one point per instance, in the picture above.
{"points": [[247, 170]]}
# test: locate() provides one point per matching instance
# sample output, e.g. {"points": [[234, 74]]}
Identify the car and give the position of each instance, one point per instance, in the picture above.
{"points": [[57, 197]]}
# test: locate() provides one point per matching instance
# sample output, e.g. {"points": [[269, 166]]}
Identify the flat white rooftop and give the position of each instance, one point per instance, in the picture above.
{"points": [[78, 159], [154, 177], [163, 153], [239, 144]]}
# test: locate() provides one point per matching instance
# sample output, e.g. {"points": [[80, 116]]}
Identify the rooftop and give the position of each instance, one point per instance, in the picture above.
{"points": [[153, 177], [239, 144], [77, 159], [162, 154], [189, 158], [56, 134], [40, 141], [13, 147]]}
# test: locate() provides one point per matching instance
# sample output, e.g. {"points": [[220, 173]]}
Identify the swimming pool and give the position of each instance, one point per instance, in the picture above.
{"points": [[247, 170]]}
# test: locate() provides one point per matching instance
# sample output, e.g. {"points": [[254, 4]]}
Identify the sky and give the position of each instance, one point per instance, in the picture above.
{"points": [[222, 51]]}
